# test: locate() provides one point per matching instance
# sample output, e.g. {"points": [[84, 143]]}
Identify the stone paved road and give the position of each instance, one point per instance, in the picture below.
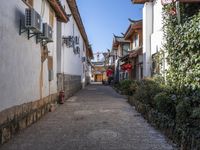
{"points": [[96, 118]]}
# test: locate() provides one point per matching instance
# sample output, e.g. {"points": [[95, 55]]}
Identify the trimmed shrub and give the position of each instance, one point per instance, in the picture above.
{"points": [[134, 86], [124, 86], [165, 104], [183, 112], [196, 113], [146, 91], [159, 79]]}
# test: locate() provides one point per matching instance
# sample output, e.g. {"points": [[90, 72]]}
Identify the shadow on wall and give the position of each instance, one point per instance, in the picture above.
{"points": [[19, 15]]}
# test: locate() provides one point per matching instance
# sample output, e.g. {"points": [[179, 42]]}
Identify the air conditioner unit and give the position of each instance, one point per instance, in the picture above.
{"points": [[46, 32], [33, 20], [76, 40], [68, 41], [77, 50]]}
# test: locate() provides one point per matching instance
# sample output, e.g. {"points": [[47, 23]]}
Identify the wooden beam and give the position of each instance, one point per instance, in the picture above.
{"points": [[59, 11]]}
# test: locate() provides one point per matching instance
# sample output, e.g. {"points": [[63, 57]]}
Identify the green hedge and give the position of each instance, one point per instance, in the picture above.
{"points": [[183, 48], [175, 104], [124, 86], [165, 104]]}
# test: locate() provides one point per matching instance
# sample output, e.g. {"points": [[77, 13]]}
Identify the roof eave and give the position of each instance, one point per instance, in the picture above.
{"points": [[127, 34], [140, 1], [132, 31], [91, 56], [75, 12], [59, 10]]}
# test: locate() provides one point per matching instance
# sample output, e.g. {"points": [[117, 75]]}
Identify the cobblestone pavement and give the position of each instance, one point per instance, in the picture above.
{"points": [[96, 118]]}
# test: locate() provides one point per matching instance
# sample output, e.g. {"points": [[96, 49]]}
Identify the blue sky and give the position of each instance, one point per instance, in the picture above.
{"points": [[102, 18]]}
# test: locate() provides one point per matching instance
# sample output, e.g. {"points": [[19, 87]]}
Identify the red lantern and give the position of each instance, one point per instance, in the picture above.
{"points": [[128, 67], [109, 72]]}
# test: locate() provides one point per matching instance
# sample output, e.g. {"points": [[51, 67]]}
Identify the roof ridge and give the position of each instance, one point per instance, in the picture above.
{"points": [[134, 21]]}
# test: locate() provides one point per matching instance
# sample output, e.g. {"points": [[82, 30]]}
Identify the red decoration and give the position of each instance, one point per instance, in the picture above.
{"points": [[127, 67], [173, 11], [109, 72]]}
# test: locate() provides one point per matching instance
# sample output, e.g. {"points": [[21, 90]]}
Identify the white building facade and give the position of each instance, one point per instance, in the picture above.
{"points": [[120, 48], [73, 52], [30, 63], [153, 39], [24, 67]]}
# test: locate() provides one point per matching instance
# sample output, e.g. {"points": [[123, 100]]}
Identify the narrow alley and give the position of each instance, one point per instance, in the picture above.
{"points": [[96, 118]]}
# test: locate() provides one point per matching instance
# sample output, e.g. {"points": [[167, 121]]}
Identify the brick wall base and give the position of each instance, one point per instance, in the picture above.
{"points": [[16, 118], [69, 83], [87, 81]]}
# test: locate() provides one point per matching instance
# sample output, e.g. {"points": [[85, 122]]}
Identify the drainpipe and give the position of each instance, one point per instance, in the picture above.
{"points": [[178, 11]]}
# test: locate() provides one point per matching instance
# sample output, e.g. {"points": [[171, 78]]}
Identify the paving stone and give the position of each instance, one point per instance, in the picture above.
{"points": [[96, 118]]}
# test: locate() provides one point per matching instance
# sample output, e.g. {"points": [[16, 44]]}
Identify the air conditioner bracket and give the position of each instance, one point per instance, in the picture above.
{"points": [[22, 29]]}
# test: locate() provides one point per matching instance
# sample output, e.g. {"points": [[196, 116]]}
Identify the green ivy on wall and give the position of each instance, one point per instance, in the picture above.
{"points": [[183, 47]]}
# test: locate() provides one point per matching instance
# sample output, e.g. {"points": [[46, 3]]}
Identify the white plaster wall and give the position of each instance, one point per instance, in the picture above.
{"points": [[43, 7], [157, 38], [157, 35], [20, 58], [147, 31], [152, 33], [72, 63], [156, 42], [157, 16], [59, 50]]}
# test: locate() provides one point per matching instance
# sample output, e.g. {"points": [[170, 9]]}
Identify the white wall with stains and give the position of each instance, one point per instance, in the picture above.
{"points": [[23, 78], [72, 63]]}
